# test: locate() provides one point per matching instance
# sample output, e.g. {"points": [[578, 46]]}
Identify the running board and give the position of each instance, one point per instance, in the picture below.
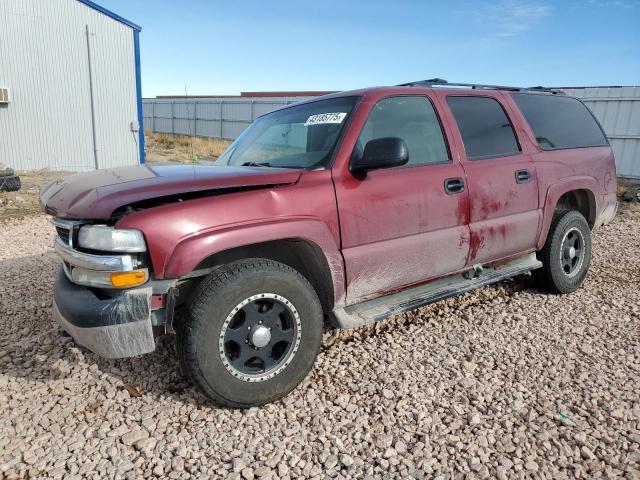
{"points": [[371, 311]]}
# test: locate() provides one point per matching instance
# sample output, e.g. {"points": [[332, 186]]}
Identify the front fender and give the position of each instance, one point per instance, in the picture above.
{"points": [[191, 251], [555, 191]]}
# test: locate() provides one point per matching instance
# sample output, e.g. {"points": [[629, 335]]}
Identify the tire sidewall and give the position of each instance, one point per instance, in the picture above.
{"points": [[206, 324], [10, 183], [563, 282]]}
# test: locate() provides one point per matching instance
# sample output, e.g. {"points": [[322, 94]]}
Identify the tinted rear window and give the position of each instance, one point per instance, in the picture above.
{"points": [[486, 131], [560, 122]]}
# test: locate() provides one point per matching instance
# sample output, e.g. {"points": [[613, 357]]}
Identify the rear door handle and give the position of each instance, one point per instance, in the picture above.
{"points": [[522, 176], [454, 186]]}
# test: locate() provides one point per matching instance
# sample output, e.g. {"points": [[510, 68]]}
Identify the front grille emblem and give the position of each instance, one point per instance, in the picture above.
{"points": [[67, 229]]}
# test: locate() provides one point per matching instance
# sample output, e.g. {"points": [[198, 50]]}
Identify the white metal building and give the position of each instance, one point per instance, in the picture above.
{"points": [[70, 96]]}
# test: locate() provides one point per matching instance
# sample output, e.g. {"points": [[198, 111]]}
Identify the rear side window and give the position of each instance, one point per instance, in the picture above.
{"points": [[560, 122], [412, 119], [485, 128]]}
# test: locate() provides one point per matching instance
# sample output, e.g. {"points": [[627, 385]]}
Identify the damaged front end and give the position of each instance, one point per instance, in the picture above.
{"points": [[106, 299]]}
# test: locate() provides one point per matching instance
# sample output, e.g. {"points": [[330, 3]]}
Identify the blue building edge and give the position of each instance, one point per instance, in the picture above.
{"points": [[136, 47]]}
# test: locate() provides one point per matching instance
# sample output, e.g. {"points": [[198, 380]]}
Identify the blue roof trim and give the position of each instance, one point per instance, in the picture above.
{"points": [[109, 13], [136, 47]]}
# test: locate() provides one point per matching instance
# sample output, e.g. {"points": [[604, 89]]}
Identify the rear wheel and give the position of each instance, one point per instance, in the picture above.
{"points": [[566, 254], [252, 333]]}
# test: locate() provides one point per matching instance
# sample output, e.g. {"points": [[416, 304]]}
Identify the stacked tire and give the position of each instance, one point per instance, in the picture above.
{"points": [[9, 181]]}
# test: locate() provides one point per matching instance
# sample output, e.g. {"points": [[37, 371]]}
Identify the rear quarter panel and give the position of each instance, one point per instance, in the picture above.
{"points": [[560, 171]]}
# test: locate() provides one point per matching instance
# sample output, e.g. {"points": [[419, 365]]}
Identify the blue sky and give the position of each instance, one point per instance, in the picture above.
{"points": [[224, 47]]}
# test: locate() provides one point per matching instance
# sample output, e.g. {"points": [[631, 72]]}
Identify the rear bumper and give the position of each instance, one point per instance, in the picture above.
{"points": [[608, 213], [112, 328]]}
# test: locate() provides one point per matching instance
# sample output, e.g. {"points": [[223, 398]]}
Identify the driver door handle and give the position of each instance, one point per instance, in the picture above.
{"points": [[522, 176], [454, 186]]}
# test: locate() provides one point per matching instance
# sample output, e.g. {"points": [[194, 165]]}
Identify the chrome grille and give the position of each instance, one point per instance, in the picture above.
{"points": [[67, 230], [63, 233]]}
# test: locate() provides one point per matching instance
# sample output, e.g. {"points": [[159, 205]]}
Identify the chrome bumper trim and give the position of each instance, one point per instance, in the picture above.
{"points": [[102, 263]]}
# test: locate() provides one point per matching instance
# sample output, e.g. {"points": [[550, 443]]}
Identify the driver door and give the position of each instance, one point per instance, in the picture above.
{"points": [[403, 225]]}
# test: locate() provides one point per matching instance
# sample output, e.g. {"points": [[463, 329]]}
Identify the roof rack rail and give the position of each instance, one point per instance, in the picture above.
{"points": [[439, 82]]}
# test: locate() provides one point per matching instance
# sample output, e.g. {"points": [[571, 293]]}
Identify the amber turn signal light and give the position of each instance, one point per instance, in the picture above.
{"points": [[128, 279]]}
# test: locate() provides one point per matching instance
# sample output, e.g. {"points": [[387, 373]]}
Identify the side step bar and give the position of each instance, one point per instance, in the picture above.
{"points": [[371, 311]]}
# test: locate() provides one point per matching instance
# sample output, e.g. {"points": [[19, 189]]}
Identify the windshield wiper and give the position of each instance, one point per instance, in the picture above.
{"points": [[255, 164], [267, 164]]}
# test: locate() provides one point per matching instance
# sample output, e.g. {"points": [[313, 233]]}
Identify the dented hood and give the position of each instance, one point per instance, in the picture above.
{"points": [[95, 195]]}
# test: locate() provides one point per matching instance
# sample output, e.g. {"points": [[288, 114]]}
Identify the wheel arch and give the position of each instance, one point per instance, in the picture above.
{"points": [[574, 194], [302, 255], [305, 245], [582, 200]]}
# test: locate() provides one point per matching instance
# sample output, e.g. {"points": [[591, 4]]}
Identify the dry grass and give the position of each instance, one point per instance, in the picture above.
{"points": [[25, 202], [168, 148]]}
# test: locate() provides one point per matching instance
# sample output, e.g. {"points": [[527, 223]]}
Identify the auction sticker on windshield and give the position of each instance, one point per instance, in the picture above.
{"points": [[323, 118]]}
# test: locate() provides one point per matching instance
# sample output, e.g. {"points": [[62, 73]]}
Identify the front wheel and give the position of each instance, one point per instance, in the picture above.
{"points": [[566, 254], [252, 333]]}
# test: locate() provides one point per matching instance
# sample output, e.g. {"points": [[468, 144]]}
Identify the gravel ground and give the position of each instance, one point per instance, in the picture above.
{"points": [[504, 382]]}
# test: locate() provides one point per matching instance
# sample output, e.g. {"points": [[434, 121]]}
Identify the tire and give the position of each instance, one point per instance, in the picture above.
{"points": [[214, 345], [10, 184], [562, 272], [7, 172]]}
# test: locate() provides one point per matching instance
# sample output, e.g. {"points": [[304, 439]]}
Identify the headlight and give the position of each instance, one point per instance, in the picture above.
{"points": [[109, 239]]}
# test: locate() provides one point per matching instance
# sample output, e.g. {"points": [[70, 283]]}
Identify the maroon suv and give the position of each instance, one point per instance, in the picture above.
{"points": [[348, 208]]}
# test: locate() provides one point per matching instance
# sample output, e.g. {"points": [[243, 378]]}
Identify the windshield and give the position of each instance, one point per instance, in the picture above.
{"points": [[302, 136]]}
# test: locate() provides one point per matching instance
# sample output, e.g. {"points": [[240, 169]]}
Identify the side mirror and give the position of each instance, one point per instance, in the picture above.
{"points": [[380, 153]]}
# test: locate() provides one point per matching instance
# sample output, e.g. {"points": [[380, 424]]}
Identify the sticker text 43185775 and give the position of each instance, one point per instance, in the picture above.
{"points": [[325, 118]]}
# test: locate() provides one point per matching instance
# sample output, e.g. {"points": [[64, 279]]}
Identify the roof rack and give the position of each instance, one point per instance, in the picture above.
{"points": [[439, 82]]}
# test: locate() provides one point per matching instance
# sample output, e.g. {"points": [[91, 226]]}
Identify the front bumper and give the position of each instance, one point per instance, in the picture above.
{"points": [[113, 327]]}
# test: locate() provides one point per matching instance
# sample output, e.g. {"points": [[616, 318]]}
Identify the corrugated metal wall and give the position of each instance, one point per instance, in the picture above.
{"points": [[44, 62], [618, 111], [218, 118]]}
